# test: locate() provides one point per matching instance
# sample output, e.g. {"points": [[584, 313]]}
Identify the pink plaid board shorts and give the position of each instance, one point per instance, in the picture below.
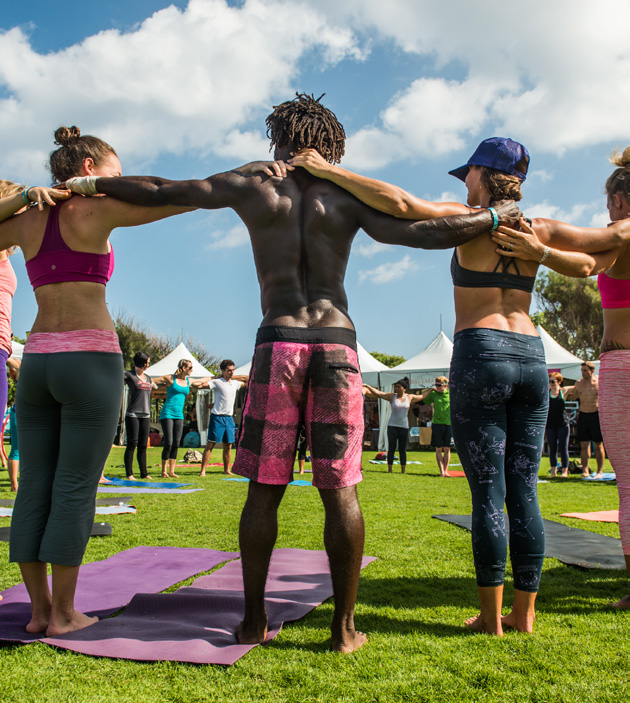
{"points": [[303, 376]]}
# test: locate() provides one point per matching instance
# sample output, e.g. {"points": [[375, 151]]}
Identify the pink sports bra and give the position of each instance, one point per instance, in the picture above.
{"points": [[55, 262], [615, 292]]}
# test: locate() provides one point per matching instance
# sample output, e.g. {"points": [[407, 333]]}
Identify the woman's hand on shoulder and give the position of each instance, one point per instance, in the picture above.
{"points": [[40, 195], [520, 244]]}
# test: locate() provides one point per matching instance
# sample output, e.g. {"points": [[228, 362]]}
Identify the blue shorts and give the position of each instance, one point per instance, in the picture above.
{"points": [[221, 429]]}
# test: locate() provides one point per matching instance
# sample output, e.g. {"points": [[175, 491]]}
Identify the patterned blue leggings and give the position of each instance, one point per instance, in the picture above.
{"points": [[499, 399]]}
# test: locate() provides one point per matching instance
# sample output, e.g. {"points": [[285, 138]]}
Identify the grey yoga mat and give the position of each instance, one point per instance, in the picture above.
{"points": [[198, 624], [570, 545]]}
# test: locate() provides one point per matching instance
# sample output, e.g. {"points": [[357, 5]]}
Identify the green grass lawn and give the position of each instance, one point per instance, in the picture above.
{"points": [[412, 604]]}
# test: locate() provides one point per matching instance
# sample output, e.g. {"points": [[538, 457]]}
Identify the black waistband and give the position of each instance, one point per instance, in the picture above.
{"points": [[307, 335]]}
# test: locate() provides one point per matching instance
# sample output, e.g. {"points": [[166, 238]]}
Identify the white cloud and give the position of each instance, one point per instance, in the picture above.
{"points": [[364, 246], [581, 214], [600, 219], [389, 271], [233, 238], [554, 76], [191, 79]]}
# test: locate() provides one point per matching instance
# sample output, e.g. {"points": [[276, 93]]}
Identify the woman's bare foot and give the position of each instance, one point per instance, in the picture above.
{"points": [[349, 643], [62, 624], [586, 473], [173, 475], [131, 478], [147, 478], [599, 474], [39, 622], [164, 475], [623, 604], [202, 474], [476, 624], [229, 473], [521, 624], [252, 634]]}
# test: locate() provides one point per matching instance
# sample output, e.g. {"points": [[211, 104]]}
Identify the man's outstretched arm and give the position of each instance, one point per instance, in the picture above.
{"points": [[216, 191], [439, 233]]}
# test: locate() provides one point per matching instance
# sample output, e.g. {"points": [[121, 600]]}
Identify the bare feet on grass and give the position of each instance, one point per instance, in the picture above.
{"points": [[173, 475], [477, 624], [60, 624], [252, 633], [623, 604], [229, 473], [350, 642], [522, 623], [202, 474]]}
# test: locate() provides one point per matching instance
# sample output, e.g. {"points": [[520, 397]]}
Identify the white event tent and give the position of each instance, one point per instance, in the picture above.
{"points": [[17, 349]]}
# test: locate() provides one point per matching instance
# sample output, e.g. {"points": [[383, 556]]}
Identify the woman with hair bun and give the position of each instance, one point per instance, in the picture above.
{"points": [[398, 424], [66, 428], [613, 269], [557, 430]]}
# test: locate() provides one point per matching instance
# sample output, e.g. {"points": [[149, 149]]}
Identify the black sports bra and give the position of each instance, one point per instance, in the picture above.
{"points": [[466, 278]]}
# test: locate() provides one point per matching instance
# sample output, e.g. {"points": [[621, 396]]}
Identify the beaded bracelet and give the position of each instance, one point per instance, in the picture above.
{"points": [[495, 219], [25, 197]]}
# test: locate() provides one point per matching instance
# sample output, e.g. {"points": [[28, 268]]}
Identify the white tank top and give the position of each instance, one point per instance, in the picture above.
{"points": [[400, 409]]}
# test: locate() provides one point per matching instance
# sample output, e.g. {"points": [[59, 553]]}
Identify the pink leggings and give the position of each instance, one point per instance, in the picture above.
{"points": [[614, 416]]}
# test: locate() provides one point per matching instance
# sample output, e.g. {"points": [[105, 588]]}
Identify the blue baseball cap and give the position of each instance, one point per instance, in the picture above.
{"points": [[500, 153]]}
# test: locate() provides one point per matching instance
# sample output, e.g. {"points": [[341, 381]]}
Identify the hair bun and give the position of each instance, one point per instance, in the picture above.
{"points": [[621, 159], [64, 135]]}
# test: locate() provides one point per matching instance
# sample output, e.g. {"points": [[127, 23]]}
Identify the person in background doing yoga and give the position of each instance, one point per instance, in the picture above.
{"points": [[441, 433], [172, 413], [558, 427], [138, 415], [66, 428], [398, 424], [613, 267], [14, 455]]}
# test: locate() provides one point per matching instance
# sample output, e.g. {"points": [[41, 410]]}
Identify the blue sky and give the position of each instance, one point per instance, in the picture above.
{"points": [[181, 90]]}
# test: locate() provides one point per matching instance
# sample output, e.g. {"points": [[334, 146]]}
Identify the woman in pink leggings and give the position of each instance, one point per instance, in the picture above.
{"points": [[613, 267]]}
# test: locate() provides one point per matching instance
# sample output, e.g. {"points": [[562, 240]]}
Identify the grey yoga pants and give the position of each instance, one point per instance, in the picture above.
{"points": [[68, 404]]}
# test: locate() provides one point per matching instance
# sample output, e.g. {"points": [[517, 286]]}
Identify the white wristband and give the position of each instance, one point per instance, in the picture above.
{"points": [[545, 255], [85, 185]]}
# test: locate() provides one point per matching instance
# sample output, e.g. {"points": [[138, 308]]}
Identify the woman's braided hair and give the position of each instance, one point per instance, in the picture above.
{"points": [[304, 123]]}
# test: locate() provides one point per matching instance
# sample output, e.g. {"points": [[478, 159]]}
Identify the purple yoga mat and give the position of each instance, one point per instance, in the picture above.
{"points": [[197, 624], [106, 586]]}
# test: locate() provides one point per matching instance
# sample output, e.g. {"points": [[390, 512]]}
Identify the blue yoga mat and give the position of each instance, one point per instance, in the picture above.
{"points": [[605, 477], [144, 484], [299, 482], [114, 489]]}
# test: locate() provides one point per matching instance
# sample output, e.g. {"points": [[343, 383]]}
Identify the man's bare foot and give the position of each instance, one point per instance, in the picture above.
{"points": [[61, 624], [476, 624], [173, 475], [623, 604], [522, 624], [349, 643], [255, 634]]}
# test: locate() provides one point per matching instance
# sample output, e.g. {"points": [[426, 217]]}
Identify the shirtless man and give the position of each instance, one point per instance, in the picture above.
{"points": [[588, 430], [305, 367]]}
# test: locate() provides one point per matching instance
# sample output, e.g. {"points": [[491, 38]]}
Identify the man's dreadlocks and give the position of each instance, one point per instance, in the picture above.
{"points": [[304, 123]]}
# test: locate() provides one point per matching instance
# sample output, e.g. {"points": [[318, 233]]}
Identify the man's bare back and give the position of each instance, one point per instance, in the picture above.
{"points": [[586, 390]]}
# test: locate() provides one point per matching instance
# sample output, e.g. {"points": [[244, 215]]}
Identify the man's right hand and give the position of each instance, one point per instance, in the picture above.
{"points": [[83, 185], [507, 211], [271, 168]]}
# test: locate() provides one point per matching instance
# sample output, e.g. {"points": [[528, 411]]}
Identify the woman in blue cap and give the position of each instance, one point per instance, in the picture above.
{"points": [[498, 375]]}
